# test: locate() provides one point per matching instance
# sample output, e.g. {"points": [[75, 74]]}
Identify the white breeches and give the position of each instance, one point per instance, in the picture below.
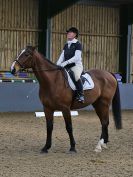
{"points": [[77, 71]]}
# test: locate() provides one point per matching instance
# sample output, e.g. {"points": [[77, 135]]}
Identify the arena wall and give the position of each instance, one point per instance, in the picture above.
{"points": [[23, 97]]}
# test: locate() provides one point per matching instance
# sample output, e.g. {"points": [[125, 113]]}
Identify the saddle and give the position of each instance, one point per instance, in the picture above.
{"points": [[85, 77]]}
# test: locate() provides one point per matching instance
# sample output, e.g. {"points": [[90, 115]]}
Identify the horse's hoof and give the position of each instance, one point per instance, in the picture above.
{"points": [[104, 145], [44, 151], [72, 150], [98, 150]]}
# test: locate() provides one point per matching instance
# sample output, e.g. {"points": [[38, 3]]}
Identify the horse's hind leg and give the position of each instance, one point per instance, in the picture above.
{"points": [[68, 122], [102, 110]]}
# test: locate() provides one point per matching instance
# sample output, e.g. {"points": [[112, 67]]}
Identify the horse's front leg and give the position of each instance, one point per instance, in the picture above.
{"points": [[49, 124], [68, 122]]}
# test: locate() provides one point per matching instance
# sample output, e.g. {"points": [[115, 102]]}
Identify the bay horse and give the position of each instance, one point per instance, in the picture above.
{"points": [[55, 95]]}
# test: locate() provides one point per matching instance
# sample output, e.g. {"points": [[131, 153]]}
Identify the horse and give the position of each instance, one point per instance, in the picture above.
{"points": [[55, 94]]}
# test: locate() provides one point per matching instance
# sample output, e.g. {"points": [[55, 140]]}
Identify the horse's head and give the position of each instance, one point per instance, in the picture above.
{"points": [[23, 60]]}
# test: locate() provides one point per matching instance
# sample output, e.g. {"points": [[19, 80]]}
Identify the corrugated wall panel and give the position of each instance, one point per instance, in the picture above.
{"points": [[99, 34], [18, 27]]}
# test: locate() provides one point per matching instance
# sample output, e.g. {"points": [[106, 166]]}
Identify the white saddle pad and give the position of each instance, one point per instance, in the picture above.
{"points": [[88, 84]]}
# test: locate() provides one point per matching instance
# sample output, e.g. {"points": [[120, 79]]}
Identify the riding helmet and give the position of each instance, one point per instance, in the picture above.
{"points": [[74, 30]]}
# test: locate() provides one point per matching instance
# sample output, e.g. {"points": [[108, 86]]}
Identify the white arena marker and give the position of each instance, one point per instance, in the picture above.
{"points": [[41, 114]]}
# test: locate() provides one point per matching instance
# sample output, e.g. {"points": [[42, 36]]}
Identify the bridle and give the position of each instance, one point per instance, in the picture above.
{"points": [[39, 70], [24, 69]]}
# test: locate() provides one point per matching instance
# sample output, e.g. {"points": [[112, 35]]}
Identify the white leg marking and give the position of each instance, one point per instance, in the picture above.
{"points": [[100, 145], [104, 145]]}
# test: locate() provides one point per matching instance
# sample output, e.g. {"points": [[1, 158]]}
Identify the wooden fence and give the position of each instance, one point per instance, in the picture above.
{"points": [[99, 34], [18, 26]]}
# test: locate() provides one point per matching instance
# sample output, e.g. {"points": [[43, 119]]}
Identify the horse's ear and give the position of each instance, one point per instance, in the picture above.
{"points": [[36, 46], [28, 45], [33, 48]]}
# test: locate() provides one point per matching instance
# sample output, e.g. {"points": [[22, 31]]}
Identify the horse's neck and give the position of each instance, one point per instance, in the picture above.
{"points": [[44, 70], [41, 63]]}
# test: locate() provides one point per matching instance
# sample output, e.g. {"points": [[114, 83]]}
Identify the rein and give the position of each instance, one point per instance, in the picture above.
{"points": [[30, 71], [58, 68], [24, 69], [48, 69], [45, 70]]}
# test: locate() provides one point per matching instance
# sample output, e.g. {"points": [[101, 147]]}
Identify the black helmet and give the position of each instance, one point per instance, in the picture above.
{"points": [[74, 30]]}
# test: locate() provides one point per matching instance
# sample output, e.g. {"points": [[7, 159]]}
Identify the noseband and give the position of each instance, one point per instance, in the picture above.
{"points": [[22, 67]]}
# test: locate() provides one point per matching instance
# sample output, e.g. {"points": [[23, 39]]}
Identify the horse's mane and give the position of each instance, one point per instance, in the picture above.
{"points": [[45, 58]]}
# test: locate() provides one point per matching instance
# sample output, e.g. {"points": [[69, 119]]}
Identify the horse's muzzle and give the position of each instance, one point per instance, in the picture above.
{"points": [[13, 71]]}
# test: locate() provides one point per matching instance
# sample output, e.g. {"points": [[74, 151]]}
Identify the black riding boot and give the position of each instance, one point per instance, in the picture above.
{"points": [[80, 94]]}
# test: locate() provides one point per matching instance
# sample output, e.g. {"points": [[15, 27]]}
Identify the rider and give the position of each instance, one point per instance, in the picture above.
{"points": [[71, 57]]}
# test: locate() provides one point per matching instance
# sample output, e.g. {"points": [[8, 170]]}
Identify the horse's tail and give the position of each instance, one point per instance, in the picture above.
{"points": [[116, 108]]}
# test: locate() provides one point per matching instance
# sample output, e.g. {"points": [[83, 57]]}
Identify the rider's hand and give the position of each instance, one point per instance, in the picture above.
{"points": [[60, 67], [64, 63]]}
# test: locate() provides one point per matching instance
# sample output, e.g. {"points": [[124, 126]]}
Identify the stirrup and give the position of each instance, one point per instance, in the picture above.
{"points": [[80, 98]]}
